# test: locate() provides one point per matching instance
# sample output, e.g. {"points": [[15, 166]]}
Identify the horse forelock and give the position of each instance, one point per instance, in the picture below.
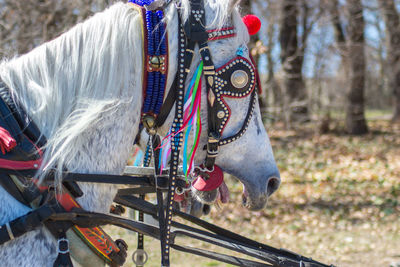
{"points": [[71, 82], [222, 10], [219, 14]]}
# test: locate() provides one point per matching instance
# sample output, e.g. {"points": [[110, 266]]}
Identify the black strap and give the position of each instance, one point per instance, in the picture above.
{"points": [[194, 26], [153, 142], [222, 237], [25, 223], [29, 127], [162, 181], [167, 105], [11, 188], [63, 258], [196, 34]]}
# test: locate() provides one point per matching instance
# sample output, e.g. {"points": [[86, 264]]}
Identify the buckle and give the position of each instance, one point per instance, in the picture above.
{"points": [[63, 246], [149, 122]]}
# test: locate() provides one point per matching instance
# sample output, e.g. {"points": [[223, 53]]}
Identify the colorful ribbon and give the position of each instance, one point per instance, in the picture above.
{"points": [[191, 121]]}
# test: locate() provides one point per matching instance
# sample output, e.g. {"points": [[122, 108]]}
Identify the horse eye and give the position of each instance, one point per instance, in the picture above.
{"points": [[239, 79]]}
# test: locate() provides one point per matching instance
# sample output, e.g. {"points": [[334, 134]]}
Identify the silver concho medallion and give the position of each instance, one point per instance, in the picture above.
{"points": [[239, 79]]}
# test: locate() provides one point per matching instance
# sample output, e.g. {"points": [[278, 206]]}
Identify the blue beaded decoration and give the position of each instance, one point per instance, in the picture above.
{"points": [[157, 50]]}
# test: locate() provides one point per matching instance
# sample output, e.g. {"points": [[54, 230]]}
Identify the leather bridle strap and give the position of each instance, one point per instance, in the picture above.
{"points": [[184, 62], [196, 34], [162, 181], [192, 33], [223, 238], [167, 105]]}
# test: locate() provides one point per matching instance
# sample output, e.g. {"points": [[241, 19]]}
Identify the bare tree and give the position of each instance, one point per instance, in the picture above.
{"points": [[246, 6], [392, 22], [351, 44], [270, 15], [293, 46], [292, 62], [355, 118], [26, 24]]}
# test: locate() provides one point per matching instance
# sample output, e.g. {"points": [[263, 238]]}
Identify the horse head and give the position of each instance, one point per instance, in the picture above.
{"points": [[248, 155]]}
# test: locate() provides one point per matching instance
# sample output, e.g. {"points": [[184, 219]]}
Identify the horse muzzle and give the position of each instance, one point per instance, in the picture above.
{"points": [[255, 198]]}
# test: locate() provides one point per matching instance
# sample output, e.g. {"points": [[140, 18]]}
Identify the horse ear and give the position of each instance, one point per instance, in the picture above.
{"points": [[232, 5]]}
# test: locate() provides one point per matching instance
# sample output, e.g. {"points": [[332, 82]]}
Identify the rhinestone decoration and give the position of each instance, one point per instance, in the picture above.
{"points": [[221, 114], [197, 14], [176, 141], [224, 33]]}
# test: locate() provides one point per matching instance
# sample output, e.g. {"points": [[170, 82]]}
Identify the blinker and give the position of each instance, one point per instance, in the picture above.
{"points": [[235, 79]]}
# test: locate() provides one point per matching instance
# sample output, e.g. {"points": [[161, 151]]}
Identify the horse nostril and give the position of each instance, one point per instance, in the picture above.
{"points": [[272, 185], [206, 209]]}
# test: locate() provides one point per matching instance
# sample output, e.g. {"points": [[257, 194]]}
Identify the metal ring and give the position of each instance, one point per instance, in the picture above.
{"points": [[205, 169], [140, 257], [58, 247], [9, 231], [179, 190]]}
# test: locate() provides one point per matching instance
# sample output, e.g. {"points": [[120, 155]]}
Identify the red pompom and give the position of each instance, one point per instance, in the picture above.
{"points": [[253, 23]]}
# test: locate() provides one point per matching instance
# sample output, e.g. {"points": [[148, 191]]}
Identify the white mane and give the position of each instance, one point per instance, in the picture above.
{"points": [[71, 82]]}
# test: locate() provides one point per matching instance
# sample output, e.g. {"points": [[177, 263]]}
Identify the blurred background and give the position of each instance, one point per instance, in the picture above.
{"points": [[330, 72]]}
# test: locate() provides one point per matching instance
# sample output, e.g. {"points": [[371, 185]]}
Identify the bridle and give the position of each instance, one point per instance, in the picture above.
{"points": [[237, 79], [234, 79]]}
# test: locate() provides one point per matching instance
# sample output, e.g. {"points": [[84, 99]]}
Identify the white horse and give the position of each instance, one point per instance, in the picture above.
{"points": [[84, 91]]}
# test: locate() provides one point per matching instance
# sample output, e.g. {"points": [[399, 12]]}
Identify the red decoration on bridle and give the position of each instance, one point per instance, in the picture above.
{"points": [[253, 23], [208, 180]]}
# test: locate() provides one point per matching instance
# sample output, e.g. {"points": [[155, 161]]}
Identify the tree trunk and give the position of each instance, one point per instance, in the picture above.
{"points": [[271, 81], [292, 63], [392, 22], [26, 24], [246, 10], [355, 118]]}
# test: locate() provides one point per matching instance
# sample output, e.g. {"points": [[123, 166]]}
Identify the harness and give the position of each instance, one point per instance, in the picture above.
{"points": [[22, 140]]}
